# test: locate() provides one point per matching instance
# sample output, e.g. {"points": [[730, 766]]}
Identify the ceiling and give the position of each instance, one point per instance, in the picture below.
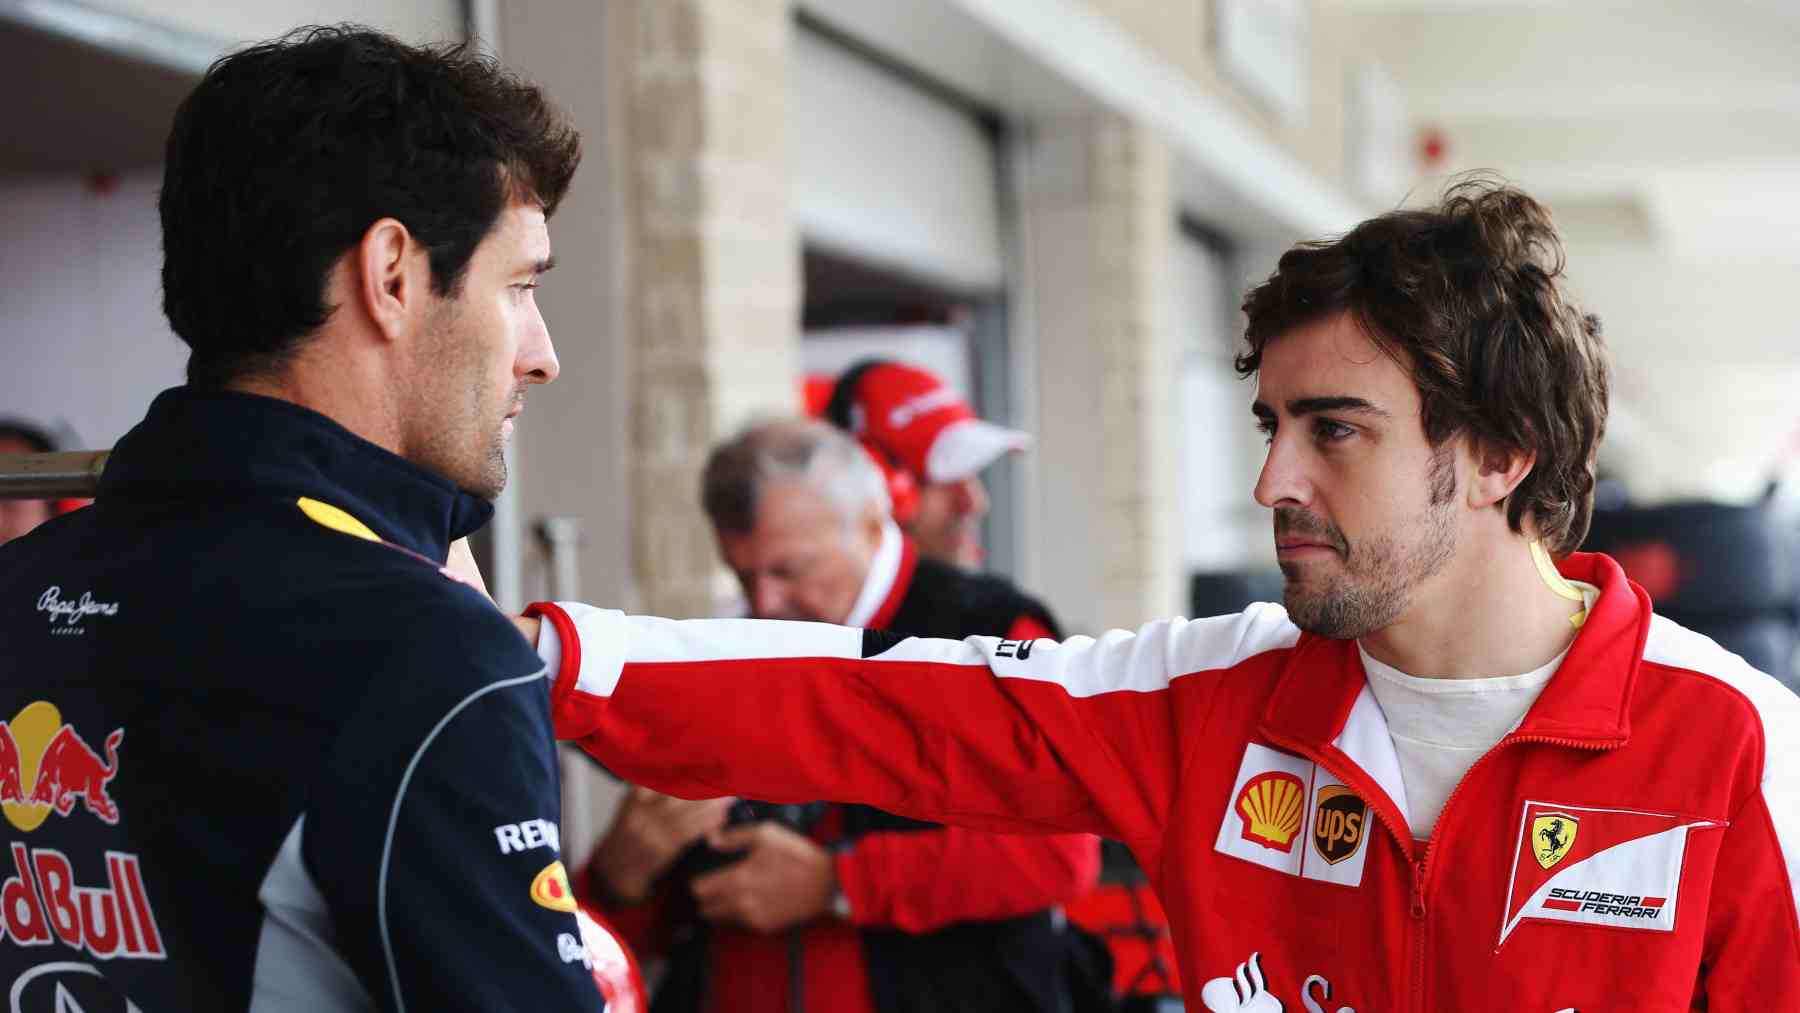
{"points": [[74, 108], [1665, 136], [1687, 110]]}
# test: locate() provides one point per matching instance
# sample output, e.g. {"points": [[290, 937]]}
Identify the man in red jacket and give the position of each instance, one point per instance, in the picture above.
{"points": [[1465, 768], [932, 448], [834, 907]]}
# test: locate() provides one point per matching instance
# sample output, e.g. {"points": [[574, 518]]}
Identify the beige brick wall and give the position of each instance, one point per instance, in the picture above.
{"points": [[714, 257], [1098, 221]]}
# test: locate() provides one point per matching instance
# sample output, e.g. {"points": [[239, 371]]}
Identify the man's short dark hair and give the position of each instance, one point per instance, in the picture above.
{"points": [[1468, 297], [39, 439], [285, 154]]}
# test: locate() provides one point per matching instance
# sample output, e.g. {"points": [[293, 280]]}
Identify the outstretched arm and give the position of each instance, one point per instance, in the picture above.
{"points": [[1010, 736]]}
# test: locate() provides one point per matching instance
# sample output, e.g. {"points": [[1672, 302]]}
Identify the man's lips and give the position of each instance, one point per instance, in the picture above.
{"points": [[1298, 545]]}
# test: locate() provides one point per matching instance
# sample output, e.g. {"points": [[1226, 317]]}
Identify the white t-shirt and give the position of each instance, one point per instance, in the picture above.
{"points": [[1442, 726]]}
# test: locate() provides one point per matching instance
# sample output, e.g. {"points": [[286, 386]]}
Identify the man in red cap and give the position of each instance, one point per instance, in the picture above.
{"points": [[933, 449]]}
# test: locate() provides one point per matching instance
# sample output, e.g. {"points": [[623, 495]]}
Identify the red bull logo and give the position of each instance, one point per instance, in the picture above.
{"points": [[42, 904], [37, 748]]}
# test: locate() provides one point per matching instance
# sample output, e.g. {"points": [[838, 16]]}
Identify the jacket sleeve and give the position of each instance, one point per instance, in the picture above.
{"points": [[436, 850], [919, 881], [1000, 735], [1752, 956], [1030, 628], [646, 927]]}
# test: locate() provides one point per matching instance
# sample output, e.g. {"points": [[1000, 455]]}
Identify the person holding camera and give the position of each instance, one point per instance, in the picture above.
{"points": [[763, 907]]}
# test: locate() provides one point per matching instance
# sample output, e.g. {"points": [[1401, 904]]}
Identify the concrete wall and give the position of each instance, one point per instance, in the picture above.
{"points": [[572, 445], [715, 262], [82, 335], [1097, 215], [1186, 36]]}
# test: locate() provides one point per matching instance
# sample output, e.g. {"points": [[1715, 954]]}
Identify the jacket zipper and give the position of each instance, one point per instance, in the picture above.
{"points": [[1421, 864], [1422, 868]]}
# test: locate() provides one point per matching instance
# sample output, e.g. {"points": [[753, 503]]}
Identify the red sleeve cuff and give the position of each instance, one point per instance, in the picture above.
{"points": [[853, 883], [569, 641]]}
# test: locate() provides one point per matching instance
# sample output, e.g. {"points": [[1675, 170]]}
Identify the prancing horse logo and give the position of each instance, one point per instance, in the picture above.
{"points": [[1552, 835]]}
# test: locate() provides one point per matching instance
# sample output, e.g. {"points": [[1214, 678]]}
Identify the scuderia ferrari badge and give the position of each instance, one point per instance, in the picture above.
{"points": [[1552, 835], [1585, 865]]}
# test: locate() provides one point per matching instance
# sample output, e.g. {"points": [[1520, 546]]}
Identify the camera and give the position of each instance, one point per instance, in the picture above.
{"points": [[800, 817]]}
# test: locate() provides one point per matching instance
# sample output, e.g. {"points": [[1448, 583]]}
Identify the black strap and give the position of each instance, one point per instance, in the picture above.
{"points": [[843, 395]]}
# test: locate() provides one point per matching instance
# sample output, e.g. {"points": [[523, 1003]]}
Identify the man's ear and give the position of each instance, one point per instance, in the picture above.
{"points": [[392, 276], [1498, 472], [871, 523]]}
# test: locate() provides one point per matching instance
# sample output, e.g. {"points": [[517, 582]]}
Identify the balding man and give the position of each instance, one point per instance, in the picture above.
{"points": [[832, 907]]}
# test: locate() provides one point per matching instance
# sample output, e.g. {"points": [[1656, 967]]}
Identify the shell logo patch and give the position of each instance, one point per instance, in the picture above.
{"points": [[1271, 804], [1266, 813], [551, 888]]}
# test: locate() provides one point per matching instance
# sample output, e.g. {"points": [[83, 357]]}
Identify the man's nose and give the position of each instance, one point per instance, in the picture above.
{"points": [[768, 599], [1283, 479], [537, 354], [971, 496]]}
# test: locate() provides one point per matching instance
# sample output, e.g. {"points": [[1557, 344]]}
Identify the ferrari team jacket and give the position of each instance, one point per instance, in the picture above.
{"points": [[1631, 845], [941, 919]]}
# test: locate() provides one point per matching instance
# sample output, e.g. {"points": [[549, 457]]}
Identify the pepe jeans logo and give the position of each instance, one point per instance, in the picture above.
{"points": [[66, 616]]}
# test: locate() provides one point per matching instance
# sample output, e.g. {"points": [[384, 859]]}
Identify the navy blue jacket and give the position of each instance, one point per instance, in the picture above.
{"points": [[257, 751]]}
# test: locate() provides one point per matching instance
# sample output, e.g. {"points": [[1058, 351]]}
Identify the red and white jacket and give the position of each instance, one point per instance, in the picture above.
{"points": [[1632, 845]]}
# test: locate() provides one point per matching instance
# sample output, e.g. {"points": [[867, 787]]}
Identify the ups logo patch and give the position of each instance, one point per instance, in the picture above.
{"points": [[1340, 820]]}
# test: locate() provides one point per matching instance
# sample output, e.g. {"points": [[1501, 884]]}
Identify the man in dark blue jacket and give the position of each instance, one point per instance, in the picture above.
{"points": [[260, 751]]}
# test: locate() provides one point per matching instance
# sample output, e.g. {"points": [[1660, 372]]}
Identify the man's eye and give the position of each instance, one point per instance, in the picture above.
{"points": [[1328, 431], [1267, 428]]}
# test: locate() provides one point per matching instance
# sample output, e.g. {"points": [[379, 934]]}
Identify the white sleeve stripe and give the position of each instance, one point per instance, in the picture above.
{"points": [[1776, 707], [608, 638], [1144, 662], [387, 847]]}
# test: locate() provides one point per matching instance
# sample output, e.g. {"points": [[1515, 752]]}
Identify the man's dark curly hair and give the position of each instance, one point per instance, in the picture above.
{"points": [[1468, 297], [285, 154]]}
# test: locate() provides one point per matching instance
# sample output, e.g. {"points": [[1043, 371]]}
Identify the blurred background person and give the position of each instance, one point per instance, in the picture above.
{"points": [[830, 907], [20, 516], [932, 449]]}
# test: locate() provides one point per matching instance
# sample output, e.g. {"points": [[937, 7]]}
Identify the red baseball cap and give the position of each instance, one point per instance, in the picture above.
{"points": [[915, 417]]}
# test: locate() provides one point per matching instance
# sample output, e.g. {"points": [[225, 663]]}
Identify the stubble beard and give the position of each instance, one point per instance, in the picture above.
{"points": [[1379, 575], [464, 438]]}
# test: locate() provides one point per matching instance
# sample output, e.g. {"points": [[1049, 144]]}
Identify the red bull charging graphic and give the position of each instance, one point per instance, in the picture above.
{"points": [[48, 768]]}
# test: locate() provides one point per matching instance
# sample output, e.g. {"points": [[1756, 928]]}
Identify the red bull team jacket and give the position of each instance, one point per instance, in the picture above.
{"points": [[258, 753], [1631, 845]]}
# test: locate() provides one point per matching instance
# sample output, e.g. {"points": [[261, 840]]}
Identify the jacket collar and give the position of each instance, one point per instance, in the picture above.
{"points": [[1587, 703], [221, 445], [889, 580]]}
